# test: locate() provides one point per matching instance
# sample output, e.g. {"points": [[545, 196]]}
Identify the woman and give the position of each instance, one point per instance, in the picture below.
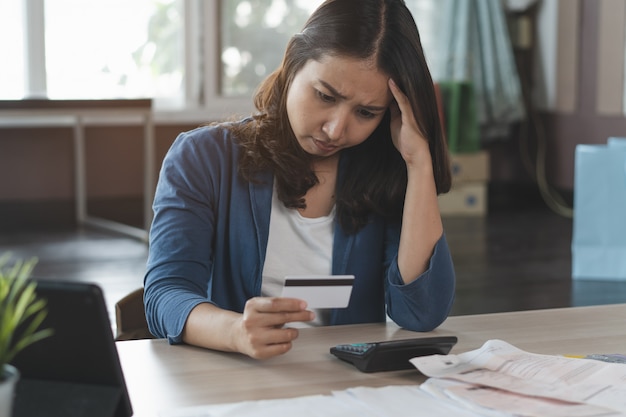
{"points": [[337, 173]]}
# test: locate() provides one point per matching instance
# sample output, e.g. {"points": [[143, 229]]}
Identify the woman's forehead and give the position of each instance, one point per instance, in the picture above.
{"points": [[350, 77]]}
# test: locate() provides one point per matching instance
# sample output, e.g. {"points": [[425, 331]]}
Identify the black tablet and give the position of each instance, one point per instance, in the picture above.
{"points": [[77, 371]]}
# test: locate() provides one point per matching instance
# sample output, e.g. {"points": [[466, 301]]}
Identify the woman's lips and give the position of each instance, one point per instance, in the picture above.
{"points": [[323, 146]]}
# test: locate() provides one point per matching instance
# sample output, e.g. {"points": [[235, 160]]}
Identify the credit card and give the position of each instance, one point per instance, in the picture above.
{"points": [[320, 291]]}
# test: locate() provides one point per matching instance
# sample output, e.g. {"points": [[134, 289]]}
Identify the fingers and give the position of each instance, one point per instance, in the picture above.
{"points": [[401, 101], [406, 133], [402, 107], [276, 304], [262, 325], [277, 311], [266, 343]]}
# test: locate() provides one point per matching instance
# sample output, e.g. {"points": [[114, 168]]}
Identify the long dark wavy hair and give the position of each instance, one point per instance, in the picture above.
{"points": [[375, 179]]}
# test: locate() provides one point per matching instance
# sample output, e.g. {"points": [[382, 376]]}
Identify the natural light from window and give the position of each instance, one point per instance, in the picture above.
{"points": [[109, 49], [12, 51], [146, 49], [253, 40]]}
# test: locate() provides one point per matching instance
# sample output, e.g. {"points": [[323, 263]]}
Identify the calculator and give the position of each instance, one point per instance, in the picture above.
{"points": [[392, 355]]}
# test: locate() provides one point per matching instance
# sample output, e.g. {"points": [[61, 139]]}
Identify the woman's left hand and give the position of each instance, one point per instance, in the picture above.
{"points": [[421, 221], [407, 136]]}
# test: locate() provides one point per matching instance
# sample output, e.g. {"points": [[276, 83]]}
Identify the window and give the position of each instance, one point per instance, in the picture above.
{"points": [[425, 13], [205, 57], [109, 49], [246, 31], [12, 79]]}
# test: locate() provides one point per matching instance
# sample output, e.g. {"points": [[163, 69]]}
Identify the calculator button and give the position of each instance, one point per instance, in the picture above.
{"points": [[356, 348]]}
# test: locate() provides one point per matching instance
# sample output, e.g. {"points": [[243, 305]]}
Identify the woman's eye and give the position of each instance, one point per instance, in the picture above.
{"points": [[366, 114], [325, 97]]}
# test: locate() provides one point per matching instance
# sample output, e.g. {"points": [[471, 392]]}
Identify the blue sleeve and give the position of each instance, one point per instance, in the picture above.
{"points": [[425, 303], [179, 261]]}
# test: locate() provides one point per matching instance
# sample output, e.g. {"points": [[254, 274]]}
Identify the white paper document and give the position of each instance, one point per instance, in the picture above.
{"points": [[499, 376], [391, 401], [493, 402]]}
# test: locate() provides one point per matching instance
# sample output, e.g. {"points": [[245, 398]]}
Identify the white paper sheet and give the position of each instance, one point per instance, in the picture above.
{"points": [[498, 364], [390, 401], [493, 402]]}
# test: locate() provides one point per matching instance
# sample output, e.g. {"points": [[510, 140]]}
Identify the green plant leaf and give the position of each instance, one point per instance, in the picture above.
{"points": [[21, 311]]}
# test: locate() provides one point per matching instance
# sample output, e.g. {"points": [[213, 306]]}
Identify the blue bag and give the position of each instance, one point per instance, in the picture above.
{"points": [[599, 227]]}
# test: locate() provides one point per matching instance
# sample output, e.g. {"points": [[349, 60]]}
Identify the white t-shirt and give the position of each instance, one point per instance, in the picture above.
{"points": [[297, 245]]}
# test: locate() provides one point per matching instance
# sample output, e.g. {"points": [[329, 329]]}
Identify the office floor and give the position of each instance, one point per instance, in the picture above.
{"points": [[509, 260]]}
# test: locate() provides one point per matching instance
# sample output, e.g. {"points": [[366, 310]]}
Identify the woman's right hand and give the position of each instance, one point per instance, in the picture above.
{"points": [[262, 333], [259, 332]]}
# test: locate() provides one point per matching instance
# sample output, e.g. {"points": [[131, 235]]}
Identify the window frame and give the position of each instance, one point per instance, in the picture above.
{"points": [[34, 49], [201, 99], [201, 96]]}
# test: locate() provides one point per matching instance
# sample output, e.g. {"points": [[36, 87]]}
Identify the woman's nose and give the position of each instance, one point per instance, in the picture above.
{"points": [[335, 126]]}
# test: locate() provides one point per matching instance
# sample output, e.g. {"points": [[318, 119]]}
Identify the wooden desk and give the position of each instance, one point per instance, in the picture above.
{"points": [[160, 376]]}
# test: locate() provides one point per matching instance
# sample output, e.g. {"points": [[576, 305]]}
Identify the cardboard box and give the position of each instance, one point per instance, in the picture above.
{"points": [[465, 199], [469, 167]]}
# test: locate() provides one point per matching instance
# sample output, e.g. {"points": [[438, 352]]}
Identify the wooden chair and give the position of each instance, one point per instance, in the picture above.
{"points": [[130, 317]]}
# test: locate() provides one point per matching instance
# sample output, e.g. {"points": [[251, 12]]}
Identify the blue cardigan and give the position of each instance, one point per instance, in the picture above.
{"points": [[209, 237]]}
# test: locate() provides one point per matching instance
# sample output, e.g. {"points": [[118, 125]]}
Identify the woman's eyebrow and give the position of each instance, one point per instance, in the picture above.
{"points": [[341, 96], [332, 89]]}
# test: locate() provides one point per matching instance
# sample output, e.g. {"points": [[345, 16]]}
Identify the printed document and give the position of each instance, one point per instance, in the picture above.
{"points": [[391, 401], [502, 377]]}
